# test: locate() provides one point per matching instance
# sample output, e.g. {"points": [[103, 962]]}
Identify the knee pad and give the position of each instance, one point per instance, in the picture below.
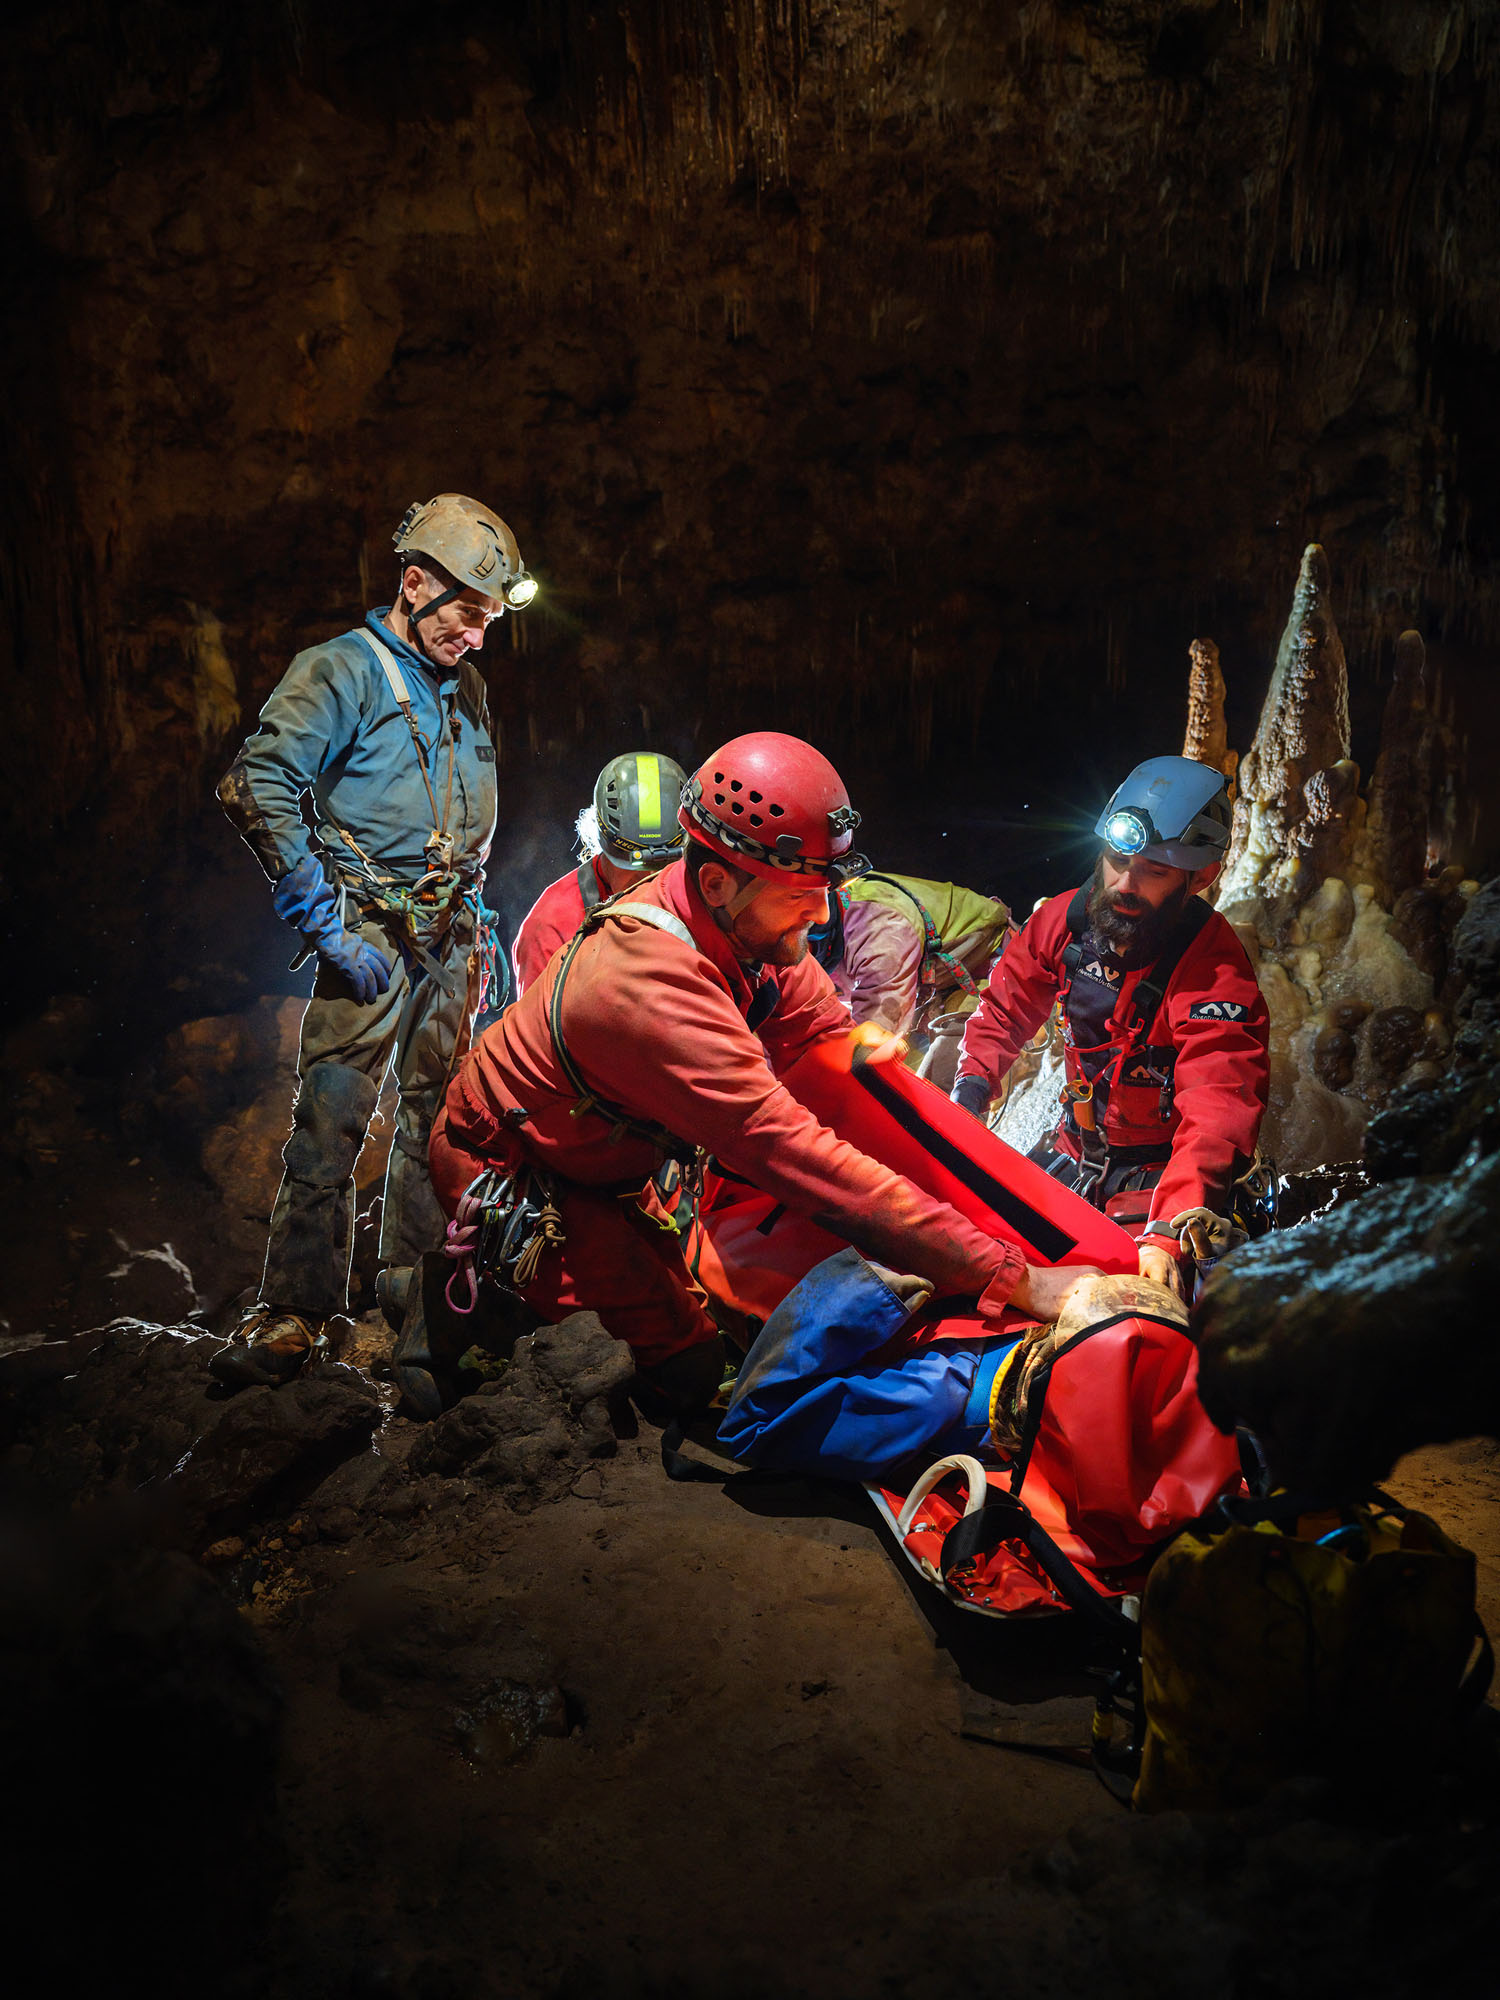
{"points": [[332, 1114]]}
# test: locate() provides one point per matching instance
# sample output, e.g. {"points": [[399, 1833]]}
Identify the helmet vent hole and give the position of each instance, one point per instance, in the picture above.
{"points": [[755, 818], [718, 798], [718, 777], [776, 811], [735, 785], [735, 806], [755, 798]]}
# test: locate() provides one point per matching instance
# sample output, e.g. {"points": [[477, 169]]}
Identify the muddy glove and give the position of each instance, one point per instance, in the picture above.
{"points": [[973, 1093], [305, 900]]}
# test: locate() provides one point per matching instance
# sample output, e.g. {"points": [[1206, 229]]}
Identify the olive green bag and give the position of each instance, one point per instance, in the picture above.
{"points": [[1342, 1643]]}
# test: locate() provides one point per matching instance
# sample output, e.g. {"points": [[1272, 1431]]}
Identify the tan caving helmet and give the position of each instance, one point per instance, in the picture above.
{"points": [[472, 544]]}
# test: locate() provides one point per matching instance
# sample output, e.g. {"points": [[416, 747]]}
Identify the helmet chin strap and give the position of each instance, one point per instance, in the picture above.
{"points": [[741, 900], [414, 618]]}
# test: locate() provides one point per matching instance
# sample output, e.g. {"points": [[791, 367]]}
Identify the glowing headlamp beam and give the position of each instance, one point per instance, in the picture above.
{"points": [[1127, 832]]}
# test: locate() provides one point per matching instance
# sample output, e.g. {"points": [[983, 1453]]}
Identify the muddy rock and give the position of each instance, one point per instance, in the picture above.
{"points": [[1435, 1120], [1333, 1058], [1363, 1333], [131, 1408], [532, 1430], [269, 1446], [1393, 1038]]}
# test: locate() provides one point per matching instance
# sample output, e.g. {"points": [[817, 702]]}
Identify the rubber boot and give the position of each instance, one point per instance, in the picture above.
{"points": [[411, 1219], [312, 1236], [434, 1338], [393, 1294]]}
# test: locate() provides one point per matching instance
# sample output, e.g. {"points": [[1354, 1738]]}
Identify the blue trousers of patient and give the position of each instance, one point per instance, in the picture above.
{"points": [[837, 1383]]}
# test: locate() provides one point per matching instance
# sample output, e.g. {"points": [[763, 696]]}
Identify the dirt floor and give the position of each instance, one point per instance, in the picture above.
{"points": [[648, 1737], [365, 1720], [774, 1778]]}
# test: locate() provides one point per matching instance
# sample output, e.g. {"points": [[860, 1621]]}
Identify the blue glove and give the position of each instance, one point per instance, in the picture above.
{"points": [[305, 900], [973, 1093]]}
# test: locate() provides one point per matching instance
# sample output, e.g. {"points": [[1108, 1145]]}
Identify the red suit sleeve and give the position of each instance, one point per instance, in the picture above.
{"points": [[675, 1049], [1021, 994], [547, 925], [1216, 1020], [809, 1007]]}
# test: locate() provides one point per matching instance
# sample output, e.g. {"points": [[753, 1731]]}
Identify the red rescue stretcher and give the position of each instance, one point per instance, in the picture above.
{"points": [[1116, 1454]]}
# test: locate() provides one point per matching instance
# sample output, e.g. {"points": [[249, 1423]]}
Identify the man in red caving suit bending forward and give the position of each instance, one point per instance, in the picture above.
{"points": [[681, 1007]]}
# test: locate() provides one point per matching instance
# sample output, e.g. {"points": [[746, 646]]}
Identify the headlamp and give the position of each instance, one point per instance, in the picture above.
{"points": [[519, 592], [1128, 832]]}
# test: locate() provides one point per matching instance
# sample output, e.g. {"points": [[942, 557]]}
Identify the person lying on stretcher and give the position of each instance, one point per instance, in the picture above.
{"points": [[850, 1376]]}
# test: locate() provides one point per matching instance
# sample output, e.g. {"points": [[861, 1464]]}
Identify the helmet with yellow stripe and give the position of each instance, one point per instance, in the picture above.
{"points": [[635, 805]]}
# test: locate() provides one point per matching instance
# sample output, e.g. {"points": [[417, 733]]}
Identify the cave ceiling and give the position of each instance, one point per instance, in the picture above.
{"points": [[907, 375]]}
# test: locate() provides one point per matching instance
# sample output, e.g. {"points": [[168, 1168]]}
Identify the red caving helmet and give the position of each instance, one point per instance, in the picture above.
{"points": [[773, 806]]}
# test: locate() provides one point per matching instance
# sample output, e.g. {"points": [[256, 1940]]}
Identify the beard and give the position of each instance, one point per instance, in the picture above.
{"points": [[1136, 932], [782, 948]]}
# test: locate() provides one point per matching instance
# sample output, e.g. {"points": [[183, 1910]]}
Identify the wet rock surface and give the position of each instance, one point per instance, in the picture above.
{"points": [[131, 1408], [534, 1430], [1434, 1122], [1363, 1333]]}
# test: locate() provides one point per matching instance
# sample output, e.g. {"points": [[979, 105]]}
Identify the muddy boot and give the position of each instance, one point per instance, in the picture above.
{"points": [[269, 1349], [685, 1383], [434, 1338]]}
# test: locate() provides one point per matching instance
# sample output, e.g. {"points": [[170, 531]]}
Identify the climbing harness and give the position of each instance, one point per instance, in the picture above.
{"points": [[1087, 1098], [590, 1099]]}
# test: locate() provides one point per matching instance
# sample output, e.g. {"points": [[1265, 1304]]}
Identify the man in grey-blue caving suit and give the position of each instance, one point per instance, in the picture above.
{"points": [[386, 732]]}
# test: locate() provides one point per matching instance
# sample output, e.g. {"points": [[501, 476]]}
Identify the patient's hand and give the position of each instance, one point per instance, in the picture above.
{"points": [[1043, 1290], [1159, 1263]]}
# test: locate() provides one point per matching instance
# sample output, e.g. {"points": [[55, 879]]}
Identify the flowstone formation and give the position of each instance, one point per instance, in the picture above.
{"points": [[1345, 903]]}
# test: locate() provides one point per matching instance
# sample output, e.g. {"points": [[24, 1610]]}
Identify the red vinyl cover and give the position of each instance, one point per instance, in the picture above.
{"points": [[1124, 1456]]}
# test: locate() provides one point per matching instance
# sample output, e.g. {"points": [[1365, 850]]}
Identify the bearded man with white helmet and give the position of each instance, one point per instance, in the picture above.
{"points": [[1164, 1028], [384, 732]]}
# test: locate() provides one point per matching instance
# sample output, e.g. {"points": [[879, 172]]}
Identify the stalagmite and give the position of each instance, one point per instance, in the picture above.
{"points": [[1298, 799], [1207, 735]]}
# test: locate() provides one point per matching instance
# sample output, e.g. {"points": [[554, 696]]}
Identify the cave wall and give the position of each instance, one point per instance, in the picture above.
{"points": [[921, 378]]}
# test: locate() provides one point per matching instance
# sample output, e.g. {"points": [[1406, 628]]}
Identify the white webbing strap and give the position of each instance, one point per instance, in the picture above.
{"points": [[387, 660], [660, 919]]}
